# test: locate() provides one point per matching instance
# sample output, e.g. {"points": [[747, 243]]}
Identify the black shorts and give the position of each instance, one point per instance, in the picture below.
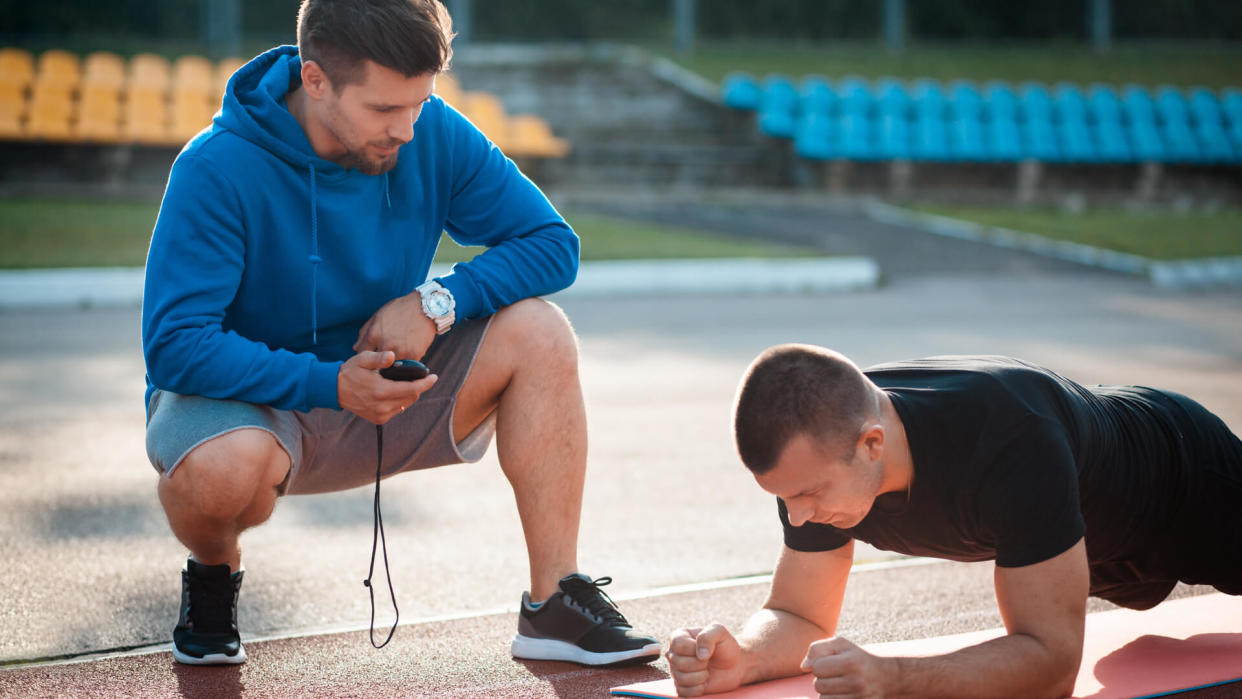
{"points": [[1202, 541]]}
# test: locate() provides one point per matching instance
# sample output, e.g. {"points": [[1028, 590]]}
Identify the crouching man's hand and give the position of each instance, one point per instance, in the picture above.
{"points": [[362, 391], [842, 669], [704, 661]]}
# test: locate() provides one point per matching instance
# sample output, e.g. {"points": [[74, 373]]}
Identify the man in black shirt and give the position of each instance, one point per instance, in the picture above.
{"points": [[1114, 491]]}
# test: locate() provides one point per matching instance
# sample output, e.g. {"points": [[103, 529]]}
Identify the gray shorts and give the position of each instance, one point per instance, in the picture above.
{"points": [[331, 450]]}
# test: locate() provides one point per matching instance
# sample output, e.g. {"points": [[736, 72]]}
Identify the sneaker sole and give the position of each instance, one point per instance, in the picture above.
{"points": [[211, 658], [528, 648]]}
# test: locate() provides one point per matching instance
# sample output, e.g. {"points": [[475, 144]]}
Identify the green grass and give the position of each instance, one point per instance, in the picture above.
{"points": [[1050, 62], [76, 233], [1158, 235]]}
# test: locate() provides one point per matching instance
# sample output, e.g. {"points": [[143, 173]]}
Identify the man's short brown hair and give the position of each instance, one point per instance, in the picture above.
{"points": [[800, 389], [412, 37]]}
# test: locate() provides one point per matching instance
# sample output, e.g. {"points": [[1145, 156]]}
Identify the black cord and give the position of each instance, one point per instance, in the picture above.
{"points": [[377, 536]]}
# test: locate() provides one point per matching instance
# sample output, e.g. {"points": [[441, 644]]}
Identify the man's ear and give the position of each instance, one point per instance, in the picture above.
{"points": [[871, 442], [314, 80]]}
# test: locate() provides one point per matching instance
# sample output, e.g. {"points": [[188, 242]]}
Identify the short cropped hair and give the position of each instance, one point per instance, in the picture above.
{"points": [[800, 389], [412, 37]]}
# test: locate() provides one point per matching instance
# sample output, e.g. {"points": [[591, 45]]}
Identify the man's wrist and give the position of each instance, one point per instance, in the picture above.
{"points": [[438, 305], [893, 670]]}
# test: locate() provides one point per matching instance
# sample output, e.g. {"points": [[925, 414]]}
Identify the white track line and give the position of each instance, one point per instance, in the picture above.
{"points": [[459, 616]]}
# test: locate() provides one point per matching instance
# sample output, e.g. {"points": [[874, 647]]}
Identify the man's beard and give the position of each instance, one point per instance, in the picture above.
{"points": [[368, 166]]}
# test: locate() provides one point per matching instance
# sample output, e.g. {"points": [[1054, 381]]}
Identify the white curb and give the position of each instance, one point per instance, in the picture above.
{"points": [[122, 286], [1169, 274]]}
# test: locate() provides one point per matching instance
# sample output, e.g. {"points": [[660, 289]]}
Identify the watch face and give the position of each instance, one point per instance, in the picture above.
{"points": [[439, 304]]}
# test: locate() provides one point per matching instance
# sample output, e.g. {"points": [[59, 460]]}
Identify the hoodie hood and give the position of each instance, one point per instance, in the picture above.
{"points": [[254, 108]]}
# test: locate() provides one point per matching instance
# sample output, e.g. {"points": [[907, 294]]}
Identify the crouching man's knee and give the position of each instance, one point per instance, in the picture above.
{"points": [[535, 328], [223, 477]]}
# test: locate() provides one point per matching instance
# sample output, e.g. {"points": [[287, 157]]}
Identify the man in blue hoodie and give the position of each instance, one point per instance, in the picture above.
{"points": [[289, 266]]}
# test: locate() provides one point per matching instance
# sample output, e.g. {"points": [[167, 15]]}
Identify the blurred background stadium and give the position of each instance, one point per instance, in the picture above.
{"points": [[1112, 123]]}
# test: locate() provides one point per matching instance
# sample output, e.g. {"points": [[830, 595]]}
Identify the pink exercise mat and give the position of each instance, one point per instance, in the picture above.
{"points": [[1182, 644]]}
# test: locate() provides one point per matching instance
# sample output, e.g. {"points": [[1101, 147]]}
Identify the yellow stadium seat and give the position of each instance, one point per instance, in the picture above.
{"points": [[51, 99], [99, 114], [48, 121], [11, 127], [449, 89], [531, 135], [193, 72], [191, 112], [12, 109], [145, 115], [224, 71], [149, 70], [12, 100], [59, 68], [104, 68], [486, 112], [16, 67]]}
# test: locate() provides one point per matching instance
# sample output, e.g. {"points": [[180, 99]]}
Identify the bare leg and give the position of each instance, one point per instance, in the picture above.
{"points": [[222, 487], [527, 371]]}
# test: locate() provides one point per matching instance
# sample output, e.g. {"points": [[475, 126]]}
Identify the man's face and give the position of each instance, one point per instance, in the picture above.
{"points": [[819, 485], [370, 120]]}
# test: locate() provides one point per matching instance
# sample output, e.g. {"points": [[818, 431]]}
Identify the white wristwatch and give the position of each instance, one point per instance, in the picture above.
{"points": [[438, 305]]}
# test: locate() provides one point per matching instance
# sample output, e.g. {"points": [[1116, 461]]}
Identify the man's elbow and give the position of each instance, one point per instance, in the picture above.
{"points": [[1063, 670]]}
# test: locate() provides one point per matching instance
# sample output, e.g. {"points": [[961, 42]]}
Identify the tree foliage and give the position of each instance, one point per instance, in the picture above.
{"points": [[580, 20]]}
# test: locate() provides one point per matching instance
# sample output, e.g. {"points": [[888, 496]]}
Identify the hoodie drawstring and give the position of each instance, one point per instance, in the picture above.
{"points": [[387, 200], [315, 259]]}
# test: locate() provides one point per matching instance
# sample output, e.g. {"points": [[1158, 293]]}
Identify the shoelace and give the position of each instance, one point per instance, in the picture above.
{"points": [[211, 605], [377, 536], [588, 595]]}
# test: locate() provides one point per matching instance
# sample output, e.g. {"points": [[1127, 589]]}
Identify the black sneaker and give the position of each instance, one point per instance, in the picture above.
{"points": [[207, 634], [580, 624]]}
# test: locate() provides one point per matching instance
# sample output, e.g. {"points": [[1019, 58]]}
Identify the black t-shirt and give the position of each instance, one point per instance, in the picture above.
{"points": [[1015, 463]]}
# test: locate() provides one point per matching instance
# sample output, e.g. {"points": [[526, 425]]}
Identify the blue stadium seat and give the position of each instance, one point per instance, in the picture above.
{"points": [[854, 137], [779, 94], [1231, 104], [777, 124], [816, 96], [855, 95], [1138, 104], [1039, 140], [1111, 143], [928, 99], [1205, 108], [1036, 104], [1235, 133], [741, 91], [965, 102], [1171, 105], [1071, 106], [813, 137], [1000, 102], [1003, 141], [1104, 105], [966, 141], [1181, 142], [1076, 143], [1146, 141], [891, 98], [893, 137], [779, 106], [931, 140], [1214, 143]]}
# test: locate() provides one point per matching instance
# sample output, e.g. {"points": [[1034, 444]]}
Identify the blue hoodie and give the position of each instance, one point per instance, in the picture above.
{"points": [[267, 259]]}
